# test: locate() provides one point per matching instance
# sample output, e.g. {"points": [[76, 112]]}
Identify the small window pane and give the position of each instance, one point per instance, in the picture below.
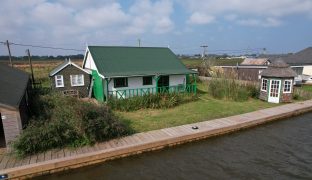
{"points": [[77, 80], [264, 84], [120, 82], [148, 80], [59, 81], [287, 86]]}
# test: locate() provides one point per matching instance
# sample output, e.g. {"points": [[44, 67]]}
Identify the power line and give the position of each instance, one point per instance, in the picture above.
{"points": [[46, 47], [43, 47]]}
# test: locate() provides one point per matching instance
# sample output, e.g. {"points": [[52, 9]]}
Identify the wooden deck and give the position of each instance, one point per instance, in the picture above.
{"points": [[63, 159]]}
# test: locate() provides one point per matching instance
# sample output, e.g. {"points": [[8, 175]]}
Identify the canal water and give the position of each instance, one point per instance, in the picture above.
{"points": [[278, 150]]}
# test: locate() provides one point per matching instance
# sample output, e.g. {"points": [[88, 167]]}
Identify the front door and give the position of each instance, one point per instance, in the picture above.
{"points": [[274, 92], [163, 84]]}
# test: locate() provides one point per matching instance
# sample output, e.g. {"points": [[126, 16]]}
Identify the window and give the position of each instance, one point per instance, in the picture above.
{"points": [[59, 82], [148, 80], [120, 82], [264, 85], [77, 80], [287, 86]]}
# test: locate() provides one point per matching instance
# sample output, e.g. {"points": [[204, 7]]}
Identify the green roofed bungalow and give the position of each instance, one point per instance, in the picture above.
{"points": [[123, 72]]}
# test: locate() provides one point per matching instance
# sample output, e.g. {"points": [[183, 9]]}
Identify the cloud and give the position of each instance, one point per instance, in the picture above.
{"points": [[105, 16], [151, 15], [78, 21], [267, 12], [201, 18], [268, 22]]}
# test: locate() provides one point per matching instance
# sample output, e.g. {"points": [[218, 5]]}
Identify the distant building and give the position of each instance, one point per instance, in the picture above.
{"points": [[255, 62], [14, 103], [70, 79]]}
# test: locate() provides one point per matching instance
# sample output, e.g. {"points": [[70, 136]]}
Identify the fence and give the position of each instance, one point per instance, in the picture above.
{"points": [[126, 93]]}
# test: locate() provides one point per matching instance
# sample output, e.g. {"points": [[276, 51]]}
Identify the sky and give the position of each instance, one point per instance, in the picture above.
{"points": [[226, 26]]}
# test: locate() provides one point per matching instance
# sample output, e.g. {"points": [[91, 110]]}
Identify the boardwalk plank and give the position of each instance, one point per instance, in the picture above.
{"points": [[33, 159], [4, 161], [11, 162], [40, 157], [48, 155], [25, 161]]}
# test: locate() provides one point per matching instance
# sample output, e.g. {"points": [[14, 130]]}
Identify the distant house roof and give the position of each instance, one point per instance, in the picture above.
{"points": [[114, 61], [65, 64], [303, 57], [13, 85], [278, 68], [255, 61]]}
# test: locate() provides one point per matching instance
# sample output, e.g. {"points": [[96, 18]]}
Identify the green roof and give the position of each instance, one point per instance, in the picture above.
{"points": [[115, 61]]}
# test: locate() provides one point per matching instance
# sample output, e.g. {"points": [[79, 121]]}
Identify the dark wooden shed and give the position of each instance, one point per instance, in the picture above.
{"points": [[14, 103], [71, 79], [277, 82]]}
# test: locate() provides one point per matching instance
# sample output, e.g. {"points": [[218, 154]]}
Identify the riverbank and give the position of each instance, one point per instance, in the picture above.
{"points": [[53, 161]]}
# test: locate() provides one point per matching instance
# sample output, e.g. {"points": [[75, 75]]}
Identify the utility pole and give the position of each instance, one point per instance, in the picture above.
{"points": [[204, 52], [206, 67], [139, 41], [31, 68], [10, 58]]}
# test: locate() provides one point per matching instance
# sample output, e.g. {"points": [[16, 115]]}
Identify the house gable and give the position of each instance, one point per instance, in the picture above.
{"points": [[67, 72], [88, 62], [64, 65]]}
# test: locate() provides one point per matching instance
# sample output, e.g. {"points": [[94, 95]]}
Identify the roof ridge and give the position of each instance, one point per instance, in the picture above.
{"points": [[128, 46]]}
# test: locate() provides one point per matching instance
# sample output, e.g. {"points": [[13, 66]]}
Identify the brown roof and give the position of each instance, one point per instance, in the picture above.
{"points": [[300, 58], [278, 68], [255, 61]]}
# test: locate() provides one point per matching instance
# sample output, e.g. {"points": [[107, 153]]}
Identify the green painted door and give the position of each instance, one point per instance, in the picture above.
{"points": [[98, 91]]}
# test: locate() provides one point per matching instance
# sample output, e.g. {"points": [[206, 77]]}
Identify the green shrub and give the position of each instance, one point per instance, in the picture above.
{"points": [[153, 101], [68, 122], [302, 94], [223, 88]]}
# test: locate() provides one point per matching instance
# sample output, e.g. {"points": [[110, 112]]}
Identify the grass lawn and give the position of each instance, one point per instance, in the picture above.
{"points": [[307, 88], [206, 108]]}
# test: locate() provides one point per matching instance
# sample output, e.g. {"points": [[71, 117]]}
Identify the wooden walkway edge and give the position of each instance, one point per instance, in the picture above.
{"points": [[54, 161]]}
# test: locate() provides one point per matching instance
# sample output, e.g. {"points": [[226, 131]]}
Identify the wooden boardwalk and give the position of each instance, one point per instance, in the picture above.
{"points": [[63, 159]]}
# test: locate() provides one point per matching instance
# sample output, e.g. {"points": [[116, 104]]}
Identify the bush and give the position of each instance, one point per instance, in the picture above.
{"points": [[302, 94], [153, 101], [223, 88], [68, 122]]}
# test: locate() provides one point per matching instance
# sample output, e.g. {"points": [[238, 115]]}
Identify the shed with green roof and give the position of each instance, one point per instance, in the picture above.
{"points": [[124, 72]]}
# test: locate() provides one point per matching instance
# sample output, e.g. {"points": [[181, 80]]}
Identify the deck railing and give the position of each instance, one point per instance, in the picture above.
{"points": [[126, 93]]}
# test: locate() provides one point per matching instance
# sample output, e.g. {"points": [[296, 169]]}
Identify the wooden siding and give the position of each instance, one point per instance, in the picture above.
{"points": [[12, 125], [245, 74], [66, 72]]}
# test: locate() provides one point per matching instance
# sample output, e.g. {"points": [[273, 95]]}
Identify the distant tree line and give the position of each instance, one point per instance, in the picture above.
{"points": [[40, 58]]}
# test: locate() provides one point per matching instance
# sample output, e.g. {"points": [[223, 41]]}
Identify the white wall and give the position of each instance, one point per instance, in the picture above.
{"points": [[175, 80], [137, 83], [307, 70]]}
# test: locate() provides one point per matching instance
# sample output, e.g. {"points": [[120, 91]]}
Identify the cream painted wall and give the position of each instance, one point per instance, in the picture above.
{"points": [[307, 70]]}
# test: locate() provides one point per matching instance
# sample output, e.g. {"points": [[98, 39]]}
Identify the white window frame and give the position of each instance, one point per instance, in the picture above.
{"points": [[59, 77], [290, 86], [265, 90], [72, 83]]}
